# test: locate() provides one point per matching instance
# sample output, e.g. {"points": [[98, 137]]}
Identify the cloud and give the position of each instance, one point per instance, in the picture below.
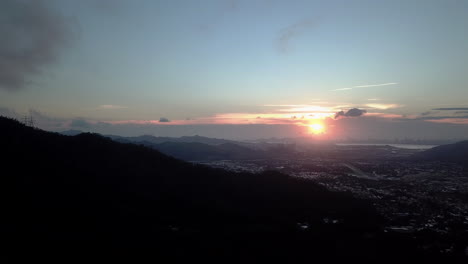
{"points": [[295, 105], [230, 125], [343, 89], [292, 31], [428, 113], [383, 106], [307, 109], [441, 117], [80, 123], [365, 86], [243, 126], [32, 35], [164, 120], [387, 116], [374, 85], [354, 112], [385, 128], [111, 107], [445, 119], [458, 117], [451, 109], [451, 120], [430, 117]]}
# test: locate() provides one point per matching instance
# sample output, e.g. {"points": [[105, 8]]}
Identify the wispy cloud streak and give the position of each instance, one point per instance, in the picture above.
{"points": [[291, 32], [383, 106], [365, 86]]}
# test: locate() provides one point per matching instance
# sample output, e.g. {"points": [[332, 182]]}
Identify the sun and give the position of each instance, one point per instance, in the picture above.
{"points": [[316, 128]]}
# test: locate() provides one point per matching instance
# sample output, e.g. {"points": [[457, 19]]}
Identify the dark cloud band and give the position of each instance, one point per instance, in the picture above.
{"points": [[451, 109], [32, 35], [350, 113]]}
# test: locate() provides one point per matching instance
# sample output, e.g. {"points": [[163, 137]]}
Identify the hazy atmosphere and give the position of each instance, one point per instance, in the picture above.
{"points": [[238, 69], [234, 131]]}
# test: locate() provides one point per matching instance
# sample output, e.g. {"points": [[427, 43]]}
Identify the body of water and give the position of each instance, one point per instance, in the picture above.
{"points": [[402, 146]]}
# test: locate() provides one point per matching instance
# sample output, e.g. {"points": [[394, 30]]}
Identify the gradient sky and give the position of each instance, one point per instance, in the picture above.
{"points": [[238, 69]]}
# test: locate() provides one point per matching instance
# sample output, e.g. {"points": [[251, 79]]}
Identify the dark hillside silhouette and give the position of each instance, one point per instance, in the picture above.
{"points": [[72, 194]]}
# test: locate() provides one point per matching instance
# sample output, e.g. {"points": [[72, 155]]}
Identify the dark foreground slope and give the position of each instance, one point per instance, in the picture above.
{"points": [[83, 193]]}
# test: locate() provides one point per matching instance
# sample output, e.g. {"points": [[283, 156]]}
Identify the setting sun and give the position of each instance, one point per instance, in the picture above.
{"points": [[317, 128]]}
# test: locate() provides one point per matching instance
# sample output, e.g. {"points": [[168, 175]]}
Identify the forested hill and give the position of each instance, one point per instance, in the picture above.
{"points": [[61, 193]]}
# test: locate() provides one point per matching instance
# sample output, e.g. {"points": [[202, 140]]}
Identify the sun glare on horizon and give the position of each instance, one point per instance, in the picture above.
{"points": [[316, 128]]}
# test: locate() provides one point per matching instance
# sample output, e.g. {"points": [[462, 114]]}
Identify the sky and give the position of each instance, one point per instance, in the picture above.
{"points": [[239, 69]]}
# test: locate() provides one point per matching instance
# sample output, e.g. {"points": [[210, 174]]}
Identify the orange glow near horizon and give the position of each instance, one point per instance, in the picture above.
{"points": [[316, 128], [299, 119]]}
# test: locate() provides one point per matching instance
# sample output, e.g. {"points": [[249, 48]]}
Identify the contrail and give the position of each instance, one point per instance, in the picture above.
{"points": [[374, 85], [365, 86]]}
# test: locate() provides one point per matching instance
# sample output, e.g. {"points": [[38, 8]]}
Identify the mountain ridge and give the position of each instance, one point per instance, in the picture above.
{"points": [[88, 191]]}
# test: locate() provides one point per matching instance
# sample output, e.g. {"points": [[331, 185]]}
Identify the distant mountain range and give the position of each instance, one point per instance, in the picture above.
{"points": [[264, 144], [197, 148], [71, 132], [184, 139], [158, 140], [194, 151]]}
